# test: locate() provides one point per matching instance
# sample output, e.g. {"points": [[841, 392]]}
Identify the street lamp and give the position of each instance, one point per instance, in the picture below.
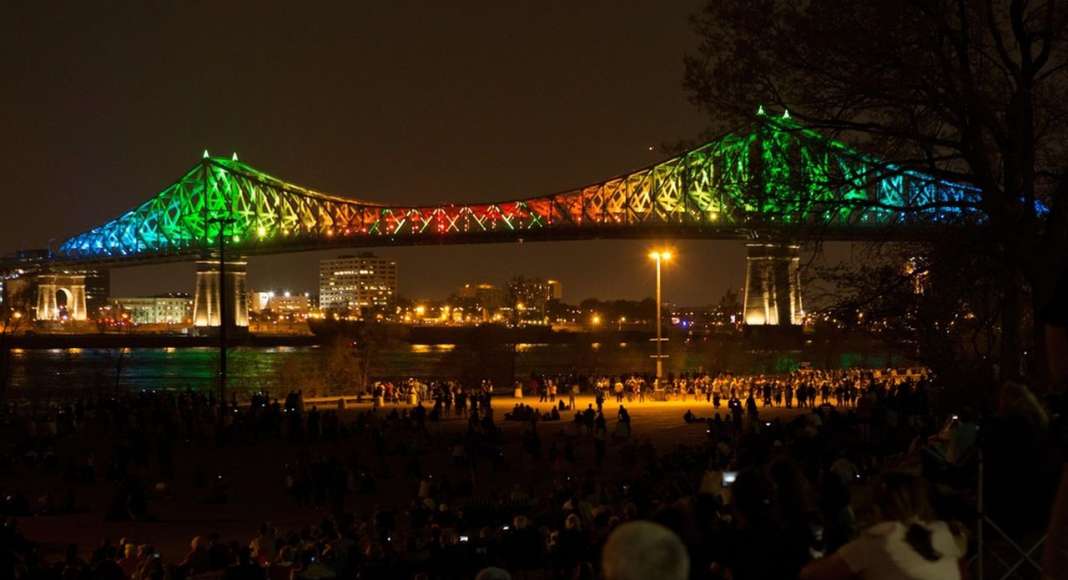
{"points": [[659, 256], [222, 223]]}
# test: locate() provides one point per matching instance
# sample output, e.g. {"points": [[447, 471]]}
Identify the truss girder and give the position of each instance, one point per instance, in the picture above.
{"points": [[777, 175]]}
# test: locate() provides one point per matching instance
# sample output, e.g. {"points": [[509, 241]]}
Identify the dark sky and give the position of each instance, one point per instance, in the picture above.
{"points": [[105, 103]]}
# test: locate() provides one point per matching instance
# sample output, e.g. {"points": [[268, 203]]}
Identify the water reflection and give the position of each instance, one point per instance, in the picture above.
{"points": [[528, 346], [258, 368], [425, 348]]}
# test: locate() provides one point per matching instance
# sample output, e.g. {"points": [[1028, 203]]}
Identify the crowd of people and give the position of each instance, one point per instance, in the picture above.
{"points": [[754, 497], [806, 387], [801, 389]]}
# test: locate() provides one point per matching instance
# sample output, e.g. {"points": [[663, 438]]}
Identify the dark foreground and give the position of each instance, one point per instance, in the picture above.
{"points": [[385, 495]]}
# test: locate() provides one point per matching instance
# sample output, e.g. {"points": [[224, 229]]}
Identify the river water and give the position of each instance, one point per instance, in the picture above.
{"points": [[40, 371]]}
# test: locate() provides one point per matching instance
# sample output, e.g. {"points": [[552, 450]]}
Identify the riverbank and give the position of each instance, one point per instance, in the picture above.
{"points": [[131, 340]]}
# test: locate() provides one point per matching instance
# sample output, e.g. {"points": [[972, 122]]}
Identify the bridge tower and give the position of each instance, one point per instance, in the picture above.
{"points": [[61, 297], [206, 304], [772, 285]]}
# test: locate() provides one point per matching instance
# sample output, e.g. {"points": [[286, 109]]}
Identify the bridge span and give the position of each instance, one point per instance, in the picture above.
{"points": [[774, 184]]}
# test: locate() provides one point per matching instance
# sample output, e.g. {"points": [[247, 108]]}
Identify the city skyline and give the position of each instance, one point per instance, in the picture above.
{"points": [[402, 138], [384, 124], [439, 278]]}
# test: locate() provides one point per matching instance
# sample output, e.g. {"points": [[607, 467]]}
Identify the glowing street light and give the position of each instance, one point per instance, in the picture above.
{"points": [[595, 320], [659, 256]]}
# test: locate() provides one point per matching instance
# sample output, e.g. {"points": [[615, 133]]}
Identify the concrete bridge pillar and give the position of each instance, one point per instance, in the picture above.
{"points": [[61, 297], [772, 285], [206, 302]]}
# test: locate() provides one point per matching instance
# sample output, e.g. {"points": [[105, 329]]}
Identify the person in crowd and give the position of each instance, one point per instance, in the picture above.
{"points": [[766, 524], [131, 558], [198, 560], [910, 542], [641, 550], [245, 568]]}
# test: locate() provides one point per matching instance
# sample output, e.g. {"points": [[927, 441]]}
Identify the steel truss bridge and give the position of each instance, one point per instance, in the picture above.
{"points": [[774, 179]]}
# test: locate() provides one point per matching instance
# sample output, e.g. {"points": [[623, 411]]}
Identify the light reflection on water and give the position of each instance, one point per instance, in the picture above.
{"points": [[529, 346], [257, 368]]}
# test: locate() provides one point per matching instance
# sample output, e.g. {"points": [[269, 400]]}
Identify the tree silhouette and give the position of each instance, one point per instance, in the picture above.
{"points": [[975, 92]]}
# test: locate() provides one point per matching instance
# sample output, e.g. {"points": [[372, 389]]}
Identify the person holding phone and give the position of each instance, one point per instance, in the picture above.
{"points": [[909, 543]]}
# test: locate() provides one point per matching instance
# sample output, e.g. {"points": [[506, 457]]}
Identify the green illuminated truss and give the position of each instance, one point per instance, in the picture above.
{"points": [[777, 178]]}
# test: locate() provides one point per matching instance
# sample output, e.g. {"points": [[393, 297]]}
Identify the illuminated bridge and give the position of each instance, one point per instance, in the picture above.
{"points": [[775, 181]]}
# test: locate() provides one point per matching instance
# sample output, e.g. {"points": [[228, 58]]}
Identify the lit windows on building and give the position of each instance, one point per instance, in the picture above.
{"points": [[170, 309], [349, 283]]}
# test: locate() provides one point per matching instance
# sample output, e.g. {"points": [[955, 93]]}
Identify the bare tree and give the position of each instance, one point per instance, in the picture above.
{"points": [[973, 91]]}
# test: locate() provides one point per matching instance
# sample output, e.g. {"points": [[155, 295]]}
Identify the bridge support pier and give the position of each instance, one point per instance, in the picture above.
{"points": [[206, 302], [772, 285], [61, 297]]}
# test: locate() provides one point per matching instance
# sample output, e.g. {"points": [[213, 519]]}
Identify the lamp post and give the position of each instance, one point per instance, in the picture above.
{"points": [[223, 222], [659, 256]]}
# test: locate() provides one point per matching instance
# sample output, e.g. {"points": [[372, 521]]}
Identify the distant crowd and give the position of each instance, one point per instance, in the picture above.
{"points": [[757, 498], [803, 388]]}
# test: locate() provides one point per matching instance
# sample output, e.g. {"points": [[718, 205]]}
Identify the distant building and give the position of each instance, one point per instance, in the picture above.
{"points": [[355, 282], [484, 296], [286, 303], [167, 309], [531, 295], [556, 290], [279, 302], [257, 301], [22, 261], [97, 291]]}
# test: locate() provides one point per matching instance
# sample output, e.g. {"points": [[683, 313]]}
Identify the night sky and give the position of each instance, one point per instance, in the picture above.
{"points": [[400, 102]]}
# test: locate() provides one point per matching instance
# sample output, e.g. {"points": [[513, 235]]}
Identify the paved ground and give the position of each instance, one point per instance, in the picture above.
{"points": [[255, 473]]}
